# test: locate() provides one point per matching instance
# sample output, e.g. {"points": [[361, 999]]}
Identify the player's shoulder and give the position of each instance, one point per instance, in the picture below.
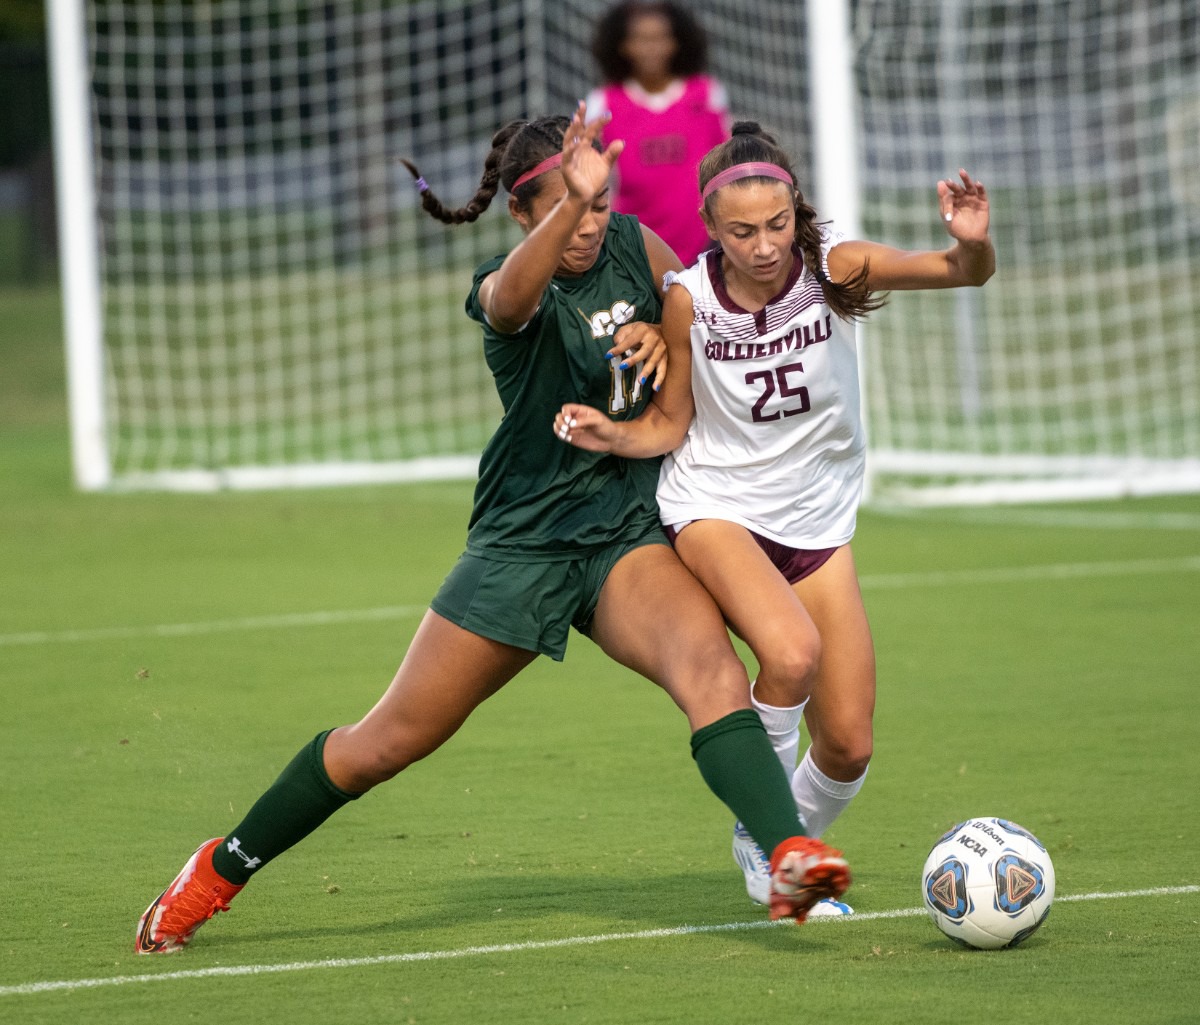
{"points": [[473, 302], [625, 235], [710, 92], [697, 278], [678, 296]]}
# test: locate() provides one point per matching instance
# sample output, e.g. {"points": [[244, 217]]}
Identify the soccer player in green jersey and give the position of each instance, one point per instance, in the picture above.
{"points": [[558, 537]]}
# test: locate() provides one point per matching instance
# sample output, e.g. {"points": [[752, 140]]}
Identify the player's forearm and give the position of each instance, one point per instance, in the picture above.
{"points": [[526, 271], [651, 434]]}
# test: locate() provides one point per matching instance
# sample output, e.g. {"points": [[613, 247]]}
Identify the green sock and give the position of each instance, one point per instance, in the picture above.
{"points": [[297, 802], [737, 762]]}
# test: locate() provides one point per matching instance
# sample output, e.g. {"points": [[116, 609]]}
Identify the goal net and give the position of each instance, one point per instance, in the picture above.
{"points": [[1076, 371], [266, 305]]}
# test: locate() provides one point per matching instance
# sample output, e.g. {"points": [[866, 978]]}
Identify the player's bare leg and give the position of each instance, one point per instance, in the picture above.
{"points": [[842, 707], [446, 673], [759, 605], [689, 654]]}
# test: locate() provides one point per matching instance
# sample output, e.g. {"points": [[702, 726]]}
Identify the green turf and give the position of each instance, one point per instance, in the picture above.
{"points": [[568, 808]]}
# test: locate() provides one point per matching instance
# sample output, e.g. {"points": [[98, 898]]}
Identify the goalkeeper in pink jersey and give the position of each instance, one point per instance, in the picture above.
{"points": [[668, 112]]}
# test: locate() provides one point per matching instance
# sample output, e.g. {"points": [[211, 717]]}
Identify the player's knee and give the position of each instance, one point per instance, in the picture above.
{"points": [[855, 764], [379, 755], [712, 672], [847, 755], [792, 667]]}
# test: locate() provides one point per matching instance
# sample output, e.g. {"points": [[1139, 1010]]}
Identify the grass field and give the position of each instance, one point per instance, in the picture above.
{"points": [[162, 656]]}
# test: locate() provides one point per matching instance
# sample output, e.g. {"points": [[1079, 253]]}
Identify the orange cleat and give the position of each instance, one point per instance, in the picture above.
{"points": [[193, 897], [805, 871]]}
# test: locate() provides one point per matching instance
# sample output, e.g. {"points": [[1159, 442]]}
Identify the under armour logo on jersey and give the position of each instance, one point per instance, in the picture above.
{"points": [[235, 847], [605, 322]]}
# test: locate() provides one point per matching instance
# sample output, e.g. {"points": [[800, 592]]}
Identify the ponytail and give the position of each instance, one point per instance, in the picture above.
{"points": [[516, 148]]}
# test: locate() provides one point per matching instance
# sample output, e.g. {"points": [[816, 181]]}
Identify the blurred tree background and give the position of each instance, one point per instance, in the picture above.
{"points": [[27, 231]]}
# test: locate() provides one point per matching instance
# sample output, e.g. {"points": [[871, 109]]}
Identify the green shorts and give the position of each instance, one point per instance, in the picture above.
{"points": [[531, 605]]}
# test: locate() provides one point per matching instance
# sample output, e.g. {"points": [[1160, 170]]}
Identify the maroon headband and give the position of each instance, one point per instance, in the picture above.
{"points": [[541, 168], [754, 169]]}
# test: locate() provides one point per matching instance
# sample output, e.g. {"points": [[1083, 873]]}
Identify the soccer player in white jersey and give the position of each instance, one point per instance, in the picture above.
{"points": [[761, 487]]}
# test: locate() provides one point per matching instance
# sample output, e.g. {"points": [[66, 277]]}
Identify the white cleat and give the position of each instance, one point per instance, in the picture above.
{"points": [[757, 870], [753, 863], [830, 908]]}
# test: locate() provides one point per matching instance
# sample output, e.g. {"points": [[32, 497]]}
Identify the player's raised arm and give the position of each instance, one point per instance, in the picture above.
{"points": [[970, 261], [511, 295]]}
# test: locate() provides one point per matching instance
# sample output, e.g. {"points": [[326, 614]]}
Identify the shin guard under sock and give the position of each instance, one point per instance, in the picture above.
{"points": [[736, 760], [295, 804], [783, 729]]}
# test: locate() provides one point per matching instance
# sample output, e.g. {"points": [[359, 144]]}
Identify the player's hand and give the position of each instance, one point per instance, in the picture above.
{"points": [[964, 208], [585, 427], [584, 169], [642, 343]]}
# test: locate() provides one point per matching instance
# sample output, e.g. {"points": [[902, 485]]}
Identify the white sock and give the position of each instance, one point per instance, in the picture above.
{"points": [[783, 727], [819, 798]]}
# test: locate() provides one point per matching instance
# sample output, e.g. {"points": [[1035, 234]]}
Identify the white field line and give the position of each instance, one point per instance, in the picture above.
{"points": [[882, 581], [284, 620], [225, 971], [1070, 519]]}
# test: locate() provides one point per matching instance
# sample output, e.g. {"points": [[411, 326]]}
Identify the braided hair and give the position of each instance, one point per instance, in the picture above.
{"points": [[850, 299], [517, 147]]}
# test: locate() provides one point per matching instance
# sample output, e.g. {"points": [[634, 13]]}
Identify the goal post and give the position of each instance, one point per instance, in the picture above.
{"points": [[78, 242], [254, 299], [837, 151]]}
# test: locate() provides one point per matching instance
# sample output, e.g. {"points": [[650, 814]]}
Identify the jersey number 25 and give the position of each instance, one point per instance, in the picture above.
{"points": [[778, 381]]}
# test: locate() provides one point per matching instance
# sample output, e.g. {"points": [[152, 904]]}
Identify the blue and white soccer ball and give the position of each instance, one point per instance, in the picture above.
{"points": [[988, 883]]}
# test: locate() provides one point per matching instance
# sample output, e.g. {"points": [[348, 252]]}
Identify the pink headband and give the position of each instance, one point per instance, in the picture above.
{"points": [[541, 168], [754, 169]]}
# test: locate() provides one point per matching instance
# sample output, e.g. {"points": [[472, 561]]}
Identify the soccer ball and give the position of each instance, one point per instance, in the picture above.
{"points": [[988, 883]]}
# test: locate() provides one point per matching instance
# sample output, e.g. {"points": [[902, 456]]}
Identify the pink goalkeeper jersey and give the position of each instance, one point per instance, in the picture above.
{"points": [[666, 135]]}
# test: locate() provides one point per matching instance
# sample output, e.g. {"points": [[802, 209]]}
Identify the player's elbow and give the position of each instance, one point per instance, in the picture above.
{"points": [[667, 436], [984, 273], [507, 318], [976, 264], [675, 437]]}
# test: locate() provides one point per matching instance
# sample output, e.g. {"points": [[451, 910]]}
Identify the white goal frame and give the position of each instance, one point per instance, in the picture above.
{"points": [[828, 114], [78, 248]]}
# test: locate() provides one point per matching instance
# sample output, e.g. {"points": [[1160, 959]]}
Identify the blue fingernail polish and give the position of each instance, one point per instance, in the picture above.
{"points": [[624, 366], [608, 355], [641, 380]]}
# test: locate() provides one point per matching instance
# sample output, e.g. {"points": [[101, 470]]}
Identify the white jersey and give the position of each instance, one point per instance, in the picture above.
{"points": [[777, 443]]}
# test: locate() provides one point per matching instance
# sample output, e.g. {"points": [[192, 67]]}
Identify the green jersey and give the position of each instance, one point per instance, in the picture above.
{"points": [[537, 497]]}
